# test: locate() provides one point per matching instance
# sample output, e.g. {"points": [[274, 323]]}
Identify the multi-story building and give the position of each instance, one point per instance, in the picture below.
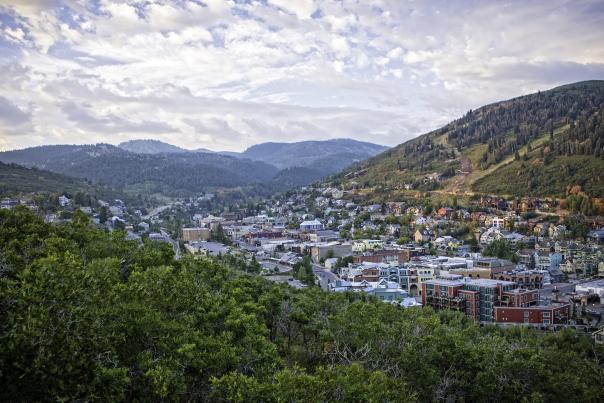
{"points": [[475, 297], [321, 251], [487, 300], [195, 234]]}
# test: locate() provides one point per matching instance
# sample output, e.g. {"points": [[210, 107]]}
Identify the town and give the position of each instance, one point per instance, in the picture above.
{"points": [[504, 262]]}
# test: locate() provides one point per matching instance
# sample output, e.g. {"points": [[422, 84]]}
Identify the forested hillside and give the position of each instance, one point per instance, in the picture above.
{"points": [[151, 167], [511, 147], [328, 156], [16, 180], [177, 174], [86, 315]]}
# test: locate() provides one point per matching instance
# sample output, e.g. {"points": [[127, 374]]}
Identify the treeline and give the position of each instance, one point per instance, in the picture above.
{"points": [[86, 315], [584, 137]]}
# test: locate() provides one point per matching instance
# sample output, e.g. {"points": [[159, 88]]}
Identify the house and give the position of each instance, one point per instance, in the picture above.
{"points": [[64, 201], [556, 231], [526, 257], [393, 229], [597, 236], [445, 212], [547, 260], [422, 236]]}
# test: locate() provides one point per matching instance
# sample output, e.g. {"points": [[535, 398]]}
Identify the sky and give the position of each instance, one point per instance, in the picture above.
{"points": [[225, 75]]}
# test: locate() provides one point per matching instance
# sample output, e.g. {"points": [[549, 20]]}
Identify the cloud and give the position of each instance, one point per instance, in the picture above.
{"points": [[10, 114], [229, 74]]}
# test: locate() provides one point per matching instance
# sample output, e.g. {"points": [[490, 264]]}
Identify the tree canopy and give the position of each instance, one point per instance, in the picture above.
{"points": [[87, 315]]}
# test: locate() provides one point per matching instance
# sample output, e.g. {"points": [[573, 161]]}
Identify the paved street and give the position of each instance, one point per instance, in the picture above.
{"points": [[324, 276]]}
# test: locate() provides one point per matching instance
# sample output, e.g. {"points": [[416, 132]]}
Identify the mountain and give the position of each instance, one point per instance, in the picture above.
{"points": [[330, 155], [172, 174], [151, 147], [541, 144]]}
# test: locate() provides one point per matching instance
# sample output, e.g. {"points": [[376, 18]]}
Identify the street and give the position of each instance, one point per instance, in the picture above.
{"points": [[324, 276]]}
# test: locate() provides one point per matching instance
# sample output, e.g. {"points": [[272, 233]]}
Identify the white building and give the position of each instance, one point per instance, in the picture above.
{"points": [[593, 287], [312, 225]]}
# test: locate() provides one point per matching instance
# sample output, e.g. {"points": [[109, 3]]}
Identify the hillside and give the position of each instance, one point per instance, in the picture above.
{"points": [[538, 144], [175, 174], [328, 156], [16, 180]]}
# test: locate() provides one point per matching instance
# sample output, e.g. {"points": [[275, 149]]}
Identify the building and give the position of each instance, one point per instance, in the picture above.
{"points": [[474, 297], [398, 256], [493, 301], [322, 251], [64, 201], [526, 257], [598, 336], [195, 234], [592, 287], [539, 314], [422, 236], [313, 225], [487, 268], [207, 248], [366, 245], [532, 279]]}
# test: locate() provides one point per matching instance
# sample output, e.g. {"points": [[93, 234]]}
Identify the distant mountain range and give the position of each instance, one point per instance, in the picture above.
{"points": [[153, 167], [326, 156], [543, 144], [149, 146]]}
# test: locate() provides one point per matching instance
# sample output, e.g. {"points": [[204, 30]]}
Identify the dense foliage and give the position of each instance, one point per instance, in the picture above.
{"points": [[17, 180], [86, 315]]}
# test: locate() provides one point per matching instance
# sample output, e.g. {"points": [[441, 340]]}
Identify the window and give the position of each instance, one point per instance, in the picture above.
{"points": [[546, 314]]}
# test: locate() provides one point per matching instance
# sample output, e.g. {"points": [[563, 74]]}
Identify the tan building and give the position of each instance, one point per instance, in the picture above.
{"points": [[195, 234]]}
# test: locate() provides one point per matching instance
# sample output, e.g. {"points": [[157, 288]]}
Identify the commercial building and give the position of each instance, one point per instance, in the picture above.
{"points": [[327, 250], [487, 300], [195, 234]]}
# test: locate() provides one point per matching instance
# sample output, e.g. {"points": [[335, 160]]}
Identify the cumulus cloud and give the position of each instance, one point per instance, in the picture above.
{"points": [[224, 74]]}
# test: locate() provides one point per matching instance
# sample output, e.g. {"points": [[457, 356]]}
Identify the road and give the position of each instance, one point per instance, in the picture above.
{"points": [[175, 244], [324, 276], [156, 211]]}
